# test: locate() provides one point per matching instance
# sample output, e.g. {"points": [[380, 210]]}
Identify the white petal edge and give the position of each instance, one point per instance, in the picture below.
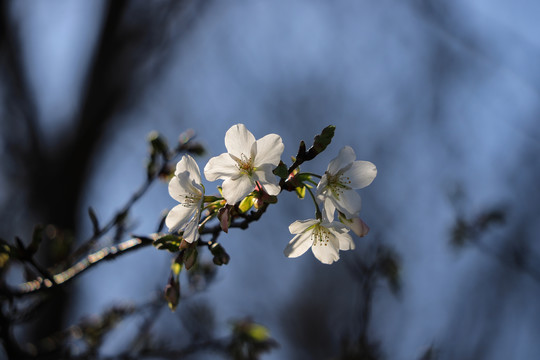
{"points": [[236, 189], [299, 226], [344, 158], [268, 180], [345, 240], [298, 245], [349, 203], [220, 167], [329, 208], [191, 231], [322, 187], [238, 140], [178, 217], [327, 254], [180, 186], [187, 163], [269, 150], [361, 174]]}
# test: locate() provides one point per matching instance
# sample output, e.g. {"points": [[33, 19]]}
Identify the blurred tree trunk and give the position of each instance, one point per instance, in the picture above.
{"points": [[48, 182]]}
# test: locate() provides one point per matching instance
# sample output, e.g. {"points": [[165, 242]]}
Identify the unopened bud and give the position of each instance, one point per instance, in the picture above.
{"points": [[357, 225], [172, 292], [220, 255]]}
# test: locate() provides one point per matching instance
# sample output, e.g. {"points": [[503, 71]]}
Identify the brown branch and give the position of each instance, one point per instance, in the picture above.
{"points": [[107, 253]]}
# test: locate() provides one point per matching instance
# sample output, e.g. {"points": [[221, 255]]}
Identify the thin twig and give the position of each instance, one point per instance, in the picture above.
{"points": [[107, 253]]}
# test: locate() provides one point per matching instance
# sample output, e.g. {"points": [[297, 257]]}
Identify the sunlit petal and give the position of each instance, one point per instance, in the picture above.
{"points": [[327, 253], [300, 225], [268, 180], [269, 150], [298, 245], [238, 140], [191, 231], [178, 217], [187, 163], [180, 187], [236, 189], [220, 167]]}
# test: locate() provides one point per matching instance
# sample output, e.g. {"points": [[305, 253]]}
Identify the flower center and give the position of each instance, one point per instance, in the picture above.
{"points": [[192, 199], [245, 165], [337, 183], [320, 236]]}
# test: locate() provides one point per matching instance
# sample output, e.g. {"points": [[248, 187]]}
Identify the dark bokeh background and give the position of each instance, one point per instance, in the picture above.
{"points": [[442, 96]]}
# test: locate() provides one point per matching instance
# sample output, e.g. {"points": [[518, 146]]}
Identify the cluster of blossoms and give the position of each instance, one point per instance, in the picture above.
{"points": [[249, 167]]}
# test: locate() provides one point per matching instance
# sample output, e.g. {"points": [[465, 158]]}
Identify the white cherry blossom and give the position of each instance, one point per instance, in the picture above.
{"points": [[336, 187], [186, 188], [246, 162], [324, 238]]}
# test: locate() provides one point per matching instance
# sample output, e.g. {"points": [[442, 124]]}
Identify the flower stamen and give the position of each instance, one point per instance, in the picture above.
{"points": [[245, 164]]}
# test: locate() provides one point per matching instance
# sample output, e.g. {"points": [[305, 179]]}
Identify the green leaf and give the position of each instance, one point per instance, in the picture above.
{"points": [[281, 170], [168, 242]]}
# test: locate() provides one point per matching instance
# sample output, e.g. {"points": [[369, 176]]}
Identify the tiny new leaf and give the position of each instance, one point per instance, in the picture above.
{"points": [[281, 171]]}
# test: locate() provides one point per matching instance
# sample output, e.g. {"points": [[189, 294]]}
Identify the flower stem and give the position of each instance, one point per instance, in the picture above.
{"points": [[318, 213]]}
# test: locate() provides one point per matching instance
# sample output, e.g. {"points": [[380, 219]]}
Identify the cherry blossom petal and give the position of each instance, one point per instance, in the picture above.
{"points": [[328, 253], [361, 174], [221, 167], [345, 157], [298, 245], [187, 163], [345, 240], [191, 231], [322, 187], [238, 140], [236, 189], [269, 150], [178, 217], [349, 203], [268, 180], [328, 208], [300, 226], [181, 187]]}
